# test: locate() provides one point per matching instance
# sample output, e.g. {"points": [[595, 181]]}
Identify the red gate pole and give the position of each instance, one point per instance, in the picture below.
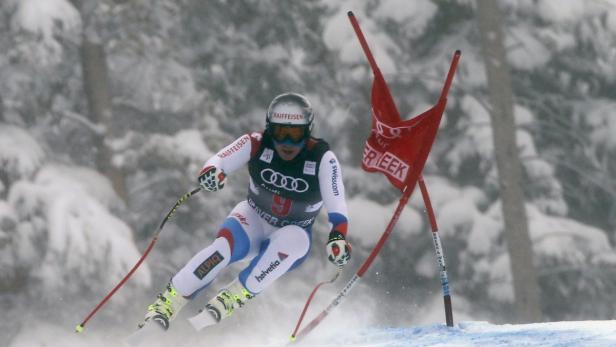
{"points": [[440, 255]]}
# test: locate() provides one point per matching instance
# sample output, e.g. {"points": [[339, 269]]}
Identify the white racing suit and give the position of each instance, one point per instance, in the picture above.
{"points": [[272, 227]]}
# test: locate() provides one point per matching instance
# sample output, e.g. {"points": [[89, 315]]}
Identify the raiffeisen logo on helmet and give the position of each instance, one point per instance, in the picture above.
{"points": [[277, 116]]}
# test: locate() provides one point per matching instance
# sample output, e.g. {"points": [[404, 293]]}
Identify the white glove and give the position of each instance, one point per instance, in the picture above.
{"points": [[212, 178], [338, 249]]}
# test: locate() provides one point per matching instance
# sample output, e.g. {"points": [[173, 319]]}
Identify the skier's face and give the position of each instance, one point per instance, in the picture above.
{"points": [[286, 151]]}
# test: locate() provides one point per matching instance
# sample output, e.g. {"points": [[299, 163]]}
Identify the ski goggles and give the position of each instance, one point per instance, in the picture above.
{"points": [[286, 133]]}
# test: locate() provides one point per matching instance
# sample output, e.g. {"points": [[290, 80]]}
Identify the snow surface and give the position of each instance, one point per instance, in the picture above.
{"points": [[464, 334], [591, 333]]}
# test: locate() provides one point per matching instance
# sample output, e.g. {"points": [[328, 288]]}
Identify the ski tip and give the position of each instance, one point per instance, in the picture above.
{"points": [[79, 328], [350, 14], [293, 338], [458, 52]]}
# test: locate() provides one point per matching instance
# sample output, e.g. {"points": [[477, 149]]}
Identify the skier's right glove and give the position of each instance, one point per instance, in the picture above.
{"points": [[212, 178], [338, 249]]}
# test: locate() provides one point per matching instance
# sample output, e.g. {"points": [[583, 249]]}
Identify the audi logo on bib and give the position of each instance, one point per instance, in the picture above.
{"points": [[279, 180]]}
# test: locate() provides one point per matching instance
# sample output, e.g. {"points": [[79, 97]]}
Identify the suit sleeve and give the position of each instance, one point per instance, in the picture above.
{"points": [[332, 192], [235, 155]]}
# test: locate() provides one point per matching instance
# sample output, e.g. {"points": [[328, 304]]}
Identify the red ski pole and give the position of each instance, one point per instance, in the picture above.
{"points": [[314, 291], [184, 197]]}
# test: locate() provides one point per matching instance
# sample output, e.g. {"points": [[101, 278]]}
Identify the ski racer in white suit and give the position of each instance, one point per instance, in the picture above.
{"points": [[292, 175]]}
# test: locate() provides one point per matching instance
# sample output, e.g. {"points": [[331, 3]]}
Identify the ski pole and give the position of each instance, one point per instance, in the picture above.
{"points": [[314, 291], [182, 199]]}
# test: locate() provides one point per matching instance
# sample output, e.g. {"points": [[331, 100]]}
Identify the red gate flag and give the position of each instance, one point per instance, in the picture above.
{"points": [[398, 148]]}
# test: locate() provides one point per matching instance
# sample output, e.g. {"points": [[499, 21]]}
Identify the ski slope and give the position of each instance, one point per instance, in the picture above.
{"points": [[589, 333], [464, 334]]}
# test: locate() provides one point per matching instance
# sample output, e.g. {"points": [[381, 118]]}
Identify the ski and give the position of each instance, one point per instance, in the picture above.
{"points": [[202, 320], [146, 335]]}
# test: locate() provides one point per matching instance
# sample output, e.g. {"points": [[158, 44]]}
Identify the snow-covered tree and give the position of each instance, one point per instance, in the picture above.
{"points": [[189, 76]]}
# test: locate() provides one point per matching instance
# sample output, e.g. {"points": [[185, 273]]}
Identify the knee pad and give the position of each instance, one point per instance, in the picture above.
{"points": [[236, 236]]}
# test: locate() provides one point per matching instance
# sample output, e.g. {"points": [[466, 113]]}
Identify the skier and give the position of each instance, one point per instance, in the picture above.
{"points": [[292, 175]]}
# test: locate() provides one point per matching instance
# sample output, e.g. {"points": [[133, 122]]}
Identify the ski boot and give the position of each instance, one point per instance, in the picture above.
{"points": [[227, 300], [165, 308], [222, 305]]}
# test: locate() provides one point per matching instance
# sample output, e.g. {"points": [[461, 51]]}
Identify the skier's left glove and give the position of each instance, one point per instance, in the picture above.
{"points": [[212, 178], [338, 249]]}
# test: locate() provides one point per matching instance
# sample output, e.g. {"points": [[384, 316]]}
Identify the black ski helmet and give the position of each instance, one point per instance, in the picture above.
{"points": [[291, 109]]}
